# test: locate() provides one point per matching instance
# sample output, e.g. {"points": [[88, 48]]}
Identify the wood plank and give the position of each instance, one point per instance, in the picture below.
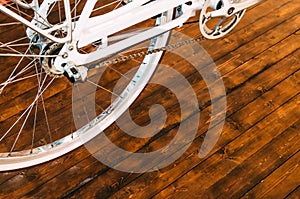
{"points": [[259, 165], [295, 194], [244, 65], [79, 175], [263, 83], [234, 153], [237, 95], [280, 182], [98, 183], [258, 109]]}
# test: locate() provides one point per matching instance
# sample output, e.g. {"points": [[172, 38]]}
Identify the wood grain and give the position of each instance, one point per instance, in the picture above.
{"points": [[257, 155]]}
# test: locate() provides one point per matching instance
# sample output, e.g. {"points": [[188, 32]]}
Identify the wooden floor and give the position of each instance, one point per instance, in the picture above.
{"points": [[257, 154]]}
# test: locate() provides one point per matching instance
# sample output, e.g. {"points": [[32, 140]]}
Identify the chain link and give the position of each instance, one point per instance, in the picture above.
{"points": [[124, 58], [148, 52]]}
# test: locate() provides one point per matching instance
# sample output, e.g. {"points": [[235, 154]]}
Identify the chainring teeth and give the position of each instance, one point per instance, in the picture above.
{"points": [[220, 28]]}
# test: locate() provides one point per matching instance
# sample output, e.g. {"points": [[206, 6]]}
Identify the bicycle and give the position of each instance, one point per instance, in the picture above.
{"points": [[53, 43]]}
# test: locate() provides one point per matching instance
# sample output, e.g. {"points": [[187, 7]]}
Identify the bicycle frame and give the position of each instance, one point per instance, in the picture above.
{"points": [[100, 27], [52, 57], [96, 23], [90, 29]]}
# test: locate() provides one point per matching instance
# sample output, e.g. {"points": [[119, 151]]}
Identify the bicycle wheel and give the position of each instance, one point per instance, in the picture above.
{"points": [[36, 119]]}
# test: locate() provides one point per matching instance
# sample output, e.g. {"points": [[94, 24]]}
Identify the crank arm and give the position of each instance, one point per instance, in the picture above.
{"points": [[244, 5], [227, 9]]}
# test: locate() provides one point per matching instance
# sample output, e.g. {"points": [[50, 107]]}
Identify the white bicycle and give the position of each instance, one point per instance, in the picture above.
{"points": [[42, 41]]}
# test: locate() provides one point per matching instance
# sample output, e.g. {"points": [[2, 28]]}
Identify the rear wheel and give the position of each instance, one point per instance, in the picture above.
{"points": [[37, 105]]}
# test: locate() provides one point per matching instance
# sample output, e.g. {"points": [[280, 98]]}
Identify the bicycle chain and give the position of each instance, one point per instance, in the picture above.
{"points": [[148, 52], [129, 57]]}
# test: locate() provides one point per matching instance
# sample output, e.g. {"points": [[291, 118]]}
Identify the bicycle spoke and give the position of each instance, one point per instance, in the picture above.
{"points": [[34, 125], [12, 76], [38, 76], [10, 24], [30, 111], [8, 44], [21, 129], [33, 9], [107, 5], [20, 79], [74, 10], [12, 49], [43, 103], [117, 6], [128, 78], [28, 55], [28, 108], [19, 11], [103, 88], [35, 102], [14, 43], [83, 102]]}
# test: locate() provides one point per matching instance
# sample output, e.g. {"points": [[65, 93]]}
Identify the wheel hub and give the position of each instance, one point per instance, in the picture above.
{"points": [[47, 62]]}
